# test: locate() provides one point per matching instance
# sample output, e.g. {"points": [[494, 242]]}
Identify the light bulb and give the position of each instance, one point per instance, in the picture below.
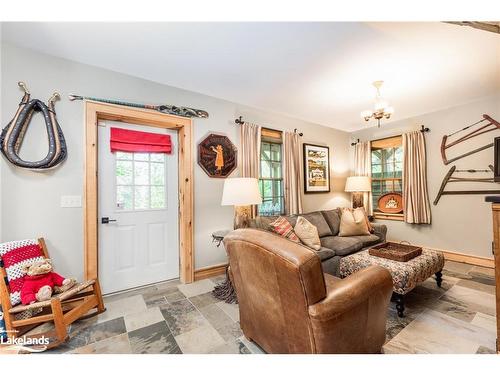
{"points": [[389, 110], [380, 104], [366, 115]]}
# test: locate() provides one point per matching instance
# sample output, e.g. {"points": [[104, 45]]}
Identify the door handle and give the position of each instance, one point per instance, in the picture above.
{"points": [[106, 220]]}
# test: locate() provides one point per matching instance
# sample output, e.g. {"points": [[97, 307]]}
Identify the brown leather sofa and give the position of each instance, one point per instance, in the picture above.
{"points": [[288, 305]]}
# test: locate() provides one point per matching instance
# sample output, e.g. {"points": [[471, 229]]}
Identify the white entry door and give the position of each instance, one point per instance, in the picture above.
{"points": [[138, 213]]}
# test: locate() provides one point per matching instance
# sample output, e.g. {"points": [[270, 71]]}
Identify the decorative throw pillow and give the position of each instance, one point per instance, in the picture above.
{"points": [[368, 224], [307, 233], [283, 227], [353, 223]]}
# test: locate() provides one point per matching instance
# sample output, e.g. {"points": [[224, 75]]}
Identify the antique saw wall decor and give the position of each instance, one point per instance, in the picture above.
{"points": [[487, 124], [13, 134], [164, 108], [217, 156], [483, 126], [449, 178]]}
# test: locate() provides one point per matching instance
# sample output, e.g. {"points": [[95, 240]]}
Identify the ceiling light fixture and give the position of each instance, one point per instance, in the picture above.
{"points": [[381, 108]]}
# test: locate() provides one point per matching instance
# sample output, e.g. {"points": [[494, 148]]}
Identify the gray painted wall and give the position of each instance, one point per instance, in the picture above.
{"points": [[31, 201], [460, 223]]}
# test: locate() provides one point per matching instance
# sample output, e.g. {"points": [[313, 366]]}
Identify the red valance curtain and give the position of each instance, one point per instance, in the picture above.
{"points": [[136, 141]]}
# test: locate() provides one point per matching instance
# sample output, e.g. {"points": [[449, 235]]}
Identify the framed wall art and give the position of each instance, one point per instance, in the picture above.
{"points": [[316, 169], [217, 156]]}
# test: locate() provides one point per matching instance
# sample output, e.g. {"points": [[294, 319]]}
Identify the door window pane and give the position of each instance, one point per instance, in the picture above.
{"points": [[157, 196], [124, 197], [124, 172], [141, 173], [141, 156], [141, 197], [157, 157], [124, 155], [157, 174], [140, 181]]}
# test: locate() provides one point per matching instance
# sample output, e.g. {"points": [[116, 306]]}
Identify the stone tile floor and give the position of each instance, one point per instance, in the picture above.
{"points": [[174, 318]]}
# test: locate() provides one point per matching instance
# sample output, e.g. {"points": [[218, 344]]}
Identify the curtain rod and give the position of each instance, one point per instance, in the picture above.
{"points": [[423, 129], [240, 121]]}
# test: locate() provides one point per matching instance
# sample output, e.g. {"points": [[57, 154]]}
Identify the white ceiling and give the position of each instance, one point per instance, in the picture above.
{"points": [[319, 72]]}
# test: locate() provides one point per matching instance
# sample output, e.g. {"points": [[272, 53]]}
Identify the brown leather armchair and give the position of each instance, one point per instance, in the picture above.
{"points": [[287, 304]]}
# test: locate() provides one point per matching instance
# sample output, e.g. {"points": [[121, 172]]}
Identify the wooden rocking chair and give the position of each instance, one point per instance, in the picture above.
{"points": [[62, 309]]}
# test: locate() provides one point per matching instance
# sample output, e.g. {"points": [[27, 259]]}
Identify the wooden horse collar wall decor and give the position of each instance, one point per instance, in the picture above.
{"points": [[491, 125], [13, 134]]}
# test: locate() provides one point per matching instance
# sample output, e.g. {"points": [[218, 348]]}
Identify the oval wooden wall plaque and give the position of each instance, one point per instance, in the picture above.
{"points": [[391, 203]]}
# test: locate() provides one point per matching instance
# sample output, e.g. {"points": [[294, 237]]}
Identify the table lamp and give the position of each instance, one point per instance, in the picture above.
{"points": [[241, 192], [358, 185]]}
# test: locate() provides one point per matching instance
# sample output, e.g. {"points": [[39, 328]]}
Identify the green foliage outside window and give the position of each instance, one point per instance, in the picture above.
{"points": [[387, 172], [271, 179]]}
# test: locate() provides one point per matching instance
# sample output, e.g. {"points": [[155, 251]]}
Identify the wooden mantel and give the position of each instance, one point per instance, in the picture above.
{"points": [[495, 200]]}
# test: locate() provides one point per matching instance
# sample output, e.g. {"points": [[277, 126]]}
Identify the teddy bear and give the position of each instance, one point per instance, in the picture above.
{"points": [[40, 282]]}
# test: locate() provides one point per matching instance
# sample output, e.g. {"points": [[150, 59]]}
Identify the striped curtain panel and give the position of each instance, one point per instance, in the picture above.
{"points": [[417, 209], [363, 167], [291, 173], [250, 153]]}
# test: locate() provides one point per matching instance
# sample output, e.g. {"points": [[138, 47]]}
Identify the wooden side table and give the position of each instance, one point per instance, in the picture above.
{"points": [[495, 207], [225, 290]]}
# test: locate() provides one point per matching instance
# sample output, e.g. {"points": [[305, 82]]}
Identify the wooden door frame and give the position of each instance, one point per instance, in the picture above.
{"points": [[95, 111]]}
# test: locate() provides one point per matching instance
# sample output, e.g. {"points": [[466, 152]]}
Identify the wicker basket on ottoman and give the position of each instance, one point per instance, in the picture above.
{"points": [[405, 275]]}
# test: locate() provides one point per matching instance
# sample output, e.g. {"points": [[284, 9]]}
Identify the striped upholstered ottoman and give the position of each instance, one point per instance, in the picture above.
{"points": [[405, 275]]}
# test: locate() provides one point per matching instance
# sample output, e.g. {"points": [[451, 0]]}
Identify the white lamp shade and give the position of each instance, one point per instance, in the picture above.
{"points": [[358, 184], [241, 191]]}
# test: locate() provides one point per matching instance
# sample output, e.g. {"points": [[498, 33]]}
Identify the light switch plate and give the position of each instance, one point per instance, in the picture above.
{"points": [[70, 201]]}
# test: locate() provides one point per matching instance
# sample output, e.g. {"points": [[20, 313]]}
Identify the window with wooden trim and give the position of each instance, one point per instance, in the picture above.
{"points": [[271, 173], [387, 171]]}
